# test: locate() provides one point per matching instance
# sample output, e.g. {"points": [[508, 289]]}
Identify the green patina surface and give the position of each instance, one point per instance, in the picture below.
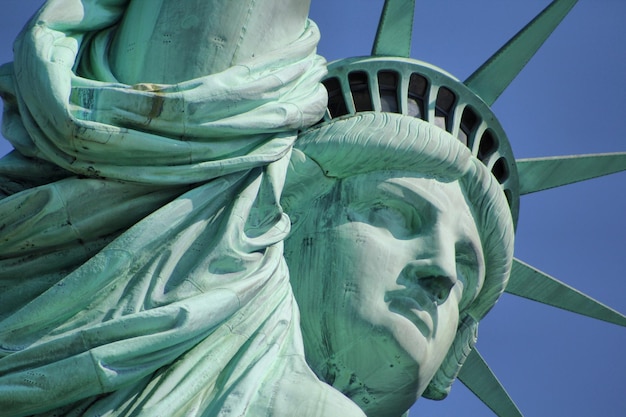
{"points": [[179, 237]]}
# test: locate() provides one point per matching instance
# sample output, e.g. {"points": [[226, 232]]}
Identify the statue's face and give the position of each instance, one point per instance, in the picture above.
{"points": [[381, 268]]}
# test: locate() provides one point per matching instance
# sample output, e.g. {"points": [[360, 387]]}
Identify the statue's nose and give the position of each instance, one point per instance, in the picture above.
{"points": [[435, 271], [430, 276], [438, 286]]}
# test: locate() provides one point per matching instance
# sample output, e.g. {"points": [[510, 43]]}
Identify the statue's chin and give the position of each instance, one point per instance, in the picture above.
{"points": [[380, 393], [391, 403]]}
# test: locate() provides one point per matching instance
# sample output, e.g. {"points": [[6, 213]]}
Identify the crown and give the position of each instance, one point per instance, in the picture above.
{"points": [[418, 89]]}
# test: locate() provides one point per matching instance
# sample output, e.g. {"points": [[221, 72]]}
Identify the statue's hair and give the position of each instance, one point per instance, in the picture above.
{"points": [[370, 142]]}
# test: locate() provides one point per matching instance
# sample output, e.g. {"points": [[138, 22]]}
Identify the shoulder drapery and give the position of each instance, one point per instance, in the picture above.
{"points": [[141, 265], [183, 133]]}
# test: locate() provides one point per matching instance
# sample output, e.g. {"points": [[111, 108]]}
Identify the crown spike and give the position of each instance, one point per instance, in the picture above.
{"points": [[480, 379], [395, 28], [495, 75], [528, 282], [537, 174]]}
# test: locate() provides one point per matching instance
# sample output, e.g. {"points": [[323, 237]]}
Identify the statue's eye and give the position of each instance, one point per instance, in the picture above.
{"points": [[468, 272], [399, 218]]}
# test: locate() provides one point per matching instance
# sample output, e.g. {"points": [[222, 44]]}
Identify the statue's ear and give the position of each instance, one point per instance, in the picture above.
{"points": [[463, 343]]}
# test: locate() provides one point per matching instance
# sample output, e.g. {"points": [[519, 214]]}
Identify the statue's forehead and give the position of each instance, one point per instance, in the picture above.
{"points": [[403, 185]]}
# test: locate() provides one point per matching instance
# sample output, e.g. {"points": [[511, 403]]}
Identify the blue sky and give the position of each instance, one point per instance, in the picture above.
{"points": [[568, 100]]}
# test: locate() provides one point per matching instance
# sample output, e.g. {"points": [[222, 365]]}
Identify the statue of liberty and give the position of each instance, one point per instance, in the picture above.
{"points": [[193, 225]]}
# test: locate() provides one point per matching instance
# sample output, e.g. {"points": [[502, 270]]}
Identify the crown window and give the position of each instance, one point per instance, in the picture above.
{"points": [[487, 146], [417, 90], [388, 90], [359, 87], [500, 170], [443, 106], [469, 121], [336, 103]]}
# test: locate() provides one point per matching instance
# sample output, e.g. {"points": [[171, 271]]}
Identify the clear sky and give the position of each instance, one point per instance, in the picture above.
{"points": [[570, 99]]}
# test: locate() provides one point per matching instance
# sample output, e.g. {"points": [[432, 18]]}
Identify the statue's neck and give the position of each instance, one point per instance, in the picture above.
{"points": [[168, 41]]}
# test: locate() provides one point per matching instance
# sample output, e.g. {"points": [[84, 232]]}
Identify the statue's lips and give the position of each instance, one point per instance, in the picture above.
{"points": [[416, 307]]}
